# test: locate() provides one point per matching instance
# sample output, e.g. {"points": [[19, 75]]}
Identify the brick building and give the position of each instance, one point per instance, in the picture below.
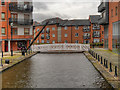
{"points": [[70, 31], [110, 18], [16, 17]]}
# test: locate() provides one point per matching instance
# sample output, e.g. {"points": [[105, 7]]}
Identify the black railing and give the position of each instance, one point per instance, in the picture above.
{"points": [[86, 30], [86, 37], [101, 7], [96, 35], [21, 21], [20, 8], [96, 28]]}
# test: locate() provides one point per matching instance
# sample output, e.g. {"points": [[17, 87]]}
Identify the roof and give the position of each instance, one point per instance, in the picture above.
{"points": [[75, 22], [52, 21], [94, 18]]}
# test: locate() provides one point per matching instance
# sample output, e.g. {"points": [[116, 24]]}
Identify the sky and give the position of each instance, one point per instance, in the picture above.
{"points": [[65, 9]]}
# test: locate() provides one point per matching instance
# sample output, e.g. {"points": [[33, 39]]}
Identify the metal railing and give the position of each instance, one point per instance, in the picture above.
{"points": [[20, 8], [86, 37], [17, 21], [54, 47]]}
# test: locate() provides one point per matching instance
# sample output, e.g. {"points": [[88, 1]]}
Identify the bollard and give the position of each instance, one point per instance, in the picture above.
{"points": [[96, 55], [7, 61], [1, 62], [98, 58], [115, 71], [101, 60], [106, 64], [110, 67], [2, 53]]}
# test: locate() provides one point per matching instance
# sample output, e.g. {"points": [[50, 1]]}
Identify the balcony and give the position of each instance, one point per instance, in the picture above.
{"points": [[86, 37], [96, 35], [86, 30], [103, 21], [15, 21], [101, 7], [96, 28], [47, 37], [20, 8]]}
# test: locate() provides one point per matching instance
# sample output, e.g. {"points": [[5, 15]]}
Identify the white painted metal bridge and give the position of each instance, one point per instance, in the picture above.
{"points": [[61, 47]]}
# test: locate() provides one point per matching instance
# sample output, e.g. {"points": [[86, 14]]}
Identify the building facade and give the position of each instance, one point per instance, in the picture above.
{"points": [[70, 31], [110, 18], [16, 17]]}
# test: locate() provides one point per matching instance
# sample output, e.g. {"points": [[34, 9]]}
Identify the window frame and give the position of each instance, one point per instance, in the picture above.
{"points": [[28, 31], [1, 15]]}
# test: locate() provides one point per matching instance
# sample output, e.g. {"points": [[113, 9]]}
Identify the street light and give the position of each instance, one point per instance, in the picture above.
{"points": [[11, 40]]}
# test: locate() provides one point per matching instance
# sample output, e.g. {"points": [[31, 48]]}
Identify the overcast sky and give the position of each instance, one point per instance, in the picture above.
{"points": [[65, 9]]}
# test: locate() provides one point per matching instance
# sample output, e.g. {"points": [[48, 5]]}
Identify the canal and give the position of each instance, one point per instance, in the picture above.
{"points": [[54, 71]]}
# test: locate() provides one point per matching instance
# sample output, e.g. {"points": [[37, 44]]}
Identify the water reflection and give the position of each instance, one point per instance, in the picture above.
{"points": [[54, 71]]}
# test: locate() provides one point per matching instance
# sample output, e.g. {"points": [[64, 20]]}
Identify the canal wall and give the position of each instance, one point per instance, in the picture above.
{"points": [[110, 78], [19, 60]]}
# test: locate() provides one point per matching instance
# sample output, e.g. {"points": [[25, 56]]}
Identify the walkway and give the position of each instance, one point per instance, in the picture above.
{"points": [[110, 56]]}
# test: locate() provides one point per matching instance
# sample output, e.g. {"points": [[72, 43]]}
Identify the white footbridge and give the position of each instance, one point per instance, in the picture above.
{"points": [[61, 47]]}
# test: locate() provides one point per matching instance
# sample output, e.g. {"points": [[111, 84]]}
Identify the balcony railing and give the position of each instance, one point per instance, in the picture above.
{"points": [[47, 37], [101, 7], [86, 30], [20, 8], [96, 35], [21, 21], [96, 27], [86, 37], [103, 21]]}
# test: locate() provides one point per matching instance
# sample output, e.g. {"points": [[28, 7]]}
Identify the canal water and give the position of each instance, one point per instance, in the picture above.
{"points": [[54, 71]]}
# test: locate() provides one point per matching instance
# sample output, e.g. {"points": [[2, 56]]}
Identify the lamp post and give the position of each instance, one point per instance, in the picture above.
{"points": [[11, 40]]}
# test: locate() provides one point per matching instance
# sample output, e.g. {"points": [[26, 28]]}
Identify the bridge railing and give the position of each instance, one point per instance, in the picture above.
{"points": [[60, 47]]}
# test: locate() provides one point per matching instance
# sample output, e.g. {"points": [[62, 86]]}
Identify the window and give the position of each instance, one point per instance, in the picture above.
{"points": [[112, 13], [42, 41], [76, 27], [37, 41], [48, 41], [38, 29], [14, 31], [116, 10], [47, 30], [66, 35], [76, 34], [102, 32], [53, 28], [3, 31], [65, 41], [76, 41], [65, 27], [42, 31], [53, 35], [42, 36], [53, 42], [2, 2], [26, 31], [3, 16], [86, 41], [96, 40]]}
